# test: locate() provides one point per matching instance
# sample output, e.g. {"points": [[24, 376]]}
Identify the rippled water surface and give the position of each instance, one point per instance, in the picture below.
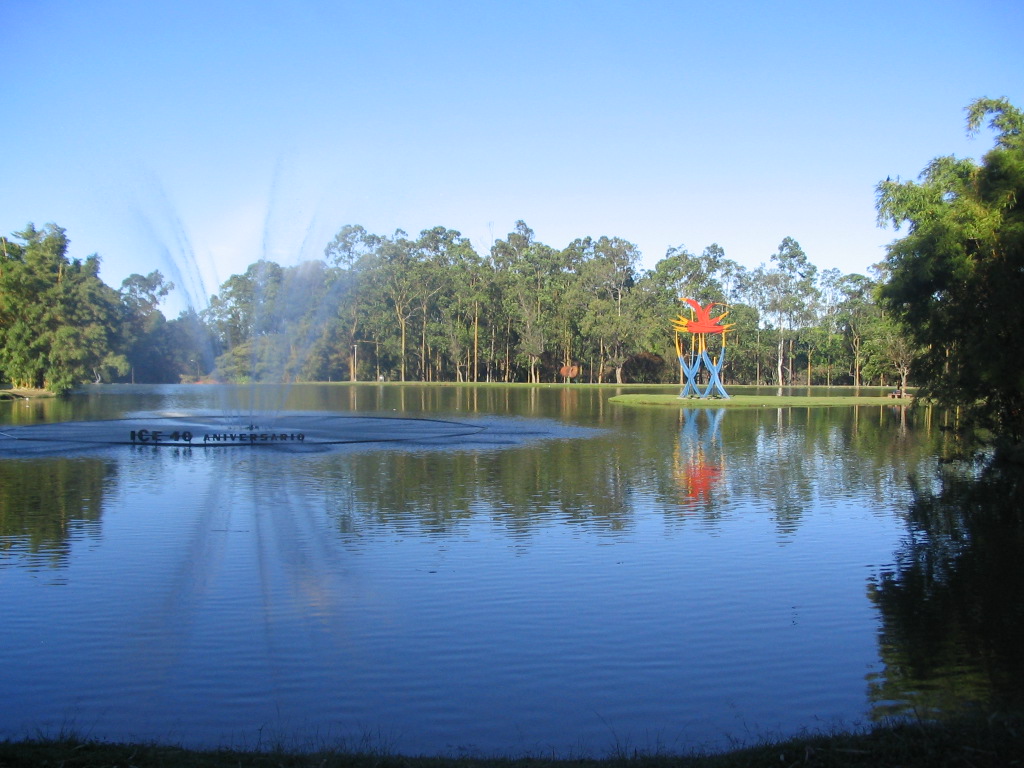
{"points": [[586, 577]]}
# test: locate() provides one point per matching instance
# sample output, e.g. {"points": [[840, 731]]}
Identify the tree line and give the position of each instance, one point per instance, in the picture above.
{"points": [[943, 309], [431, 308]]}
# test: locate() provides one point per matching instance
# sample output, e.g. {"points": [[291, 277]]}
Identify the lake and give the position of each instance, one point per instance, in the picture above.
{"points": [[537, 571]]}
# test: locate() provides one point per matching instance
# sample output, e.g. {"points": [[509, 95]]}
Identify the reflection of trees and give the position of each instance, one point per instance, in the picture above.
{"points": [[692, 464], [799, 455], [36, 410], [952, 608], [45, 503], [784, 462], [573, 482]]}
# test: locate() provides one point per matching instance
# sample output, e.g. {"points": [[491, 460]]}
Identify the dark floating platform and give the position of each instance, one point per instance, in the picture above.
{"points": [[295, 431]]}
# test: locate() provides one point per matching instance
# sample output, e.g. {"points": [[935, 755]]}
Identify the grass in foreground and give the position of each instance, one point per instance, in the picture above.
{"points": [[755, 401], [975, 743]]}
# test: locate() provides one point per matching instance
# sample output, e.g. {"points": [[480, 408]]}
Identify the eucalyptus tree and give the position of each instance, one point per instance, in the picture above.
{"points": [[461, 301], [826, 353], [351, 253], [394, 280], [500, 335], [573, 296], [526, 272], [60, 324], [655, 306], [828, 340], [240, 310], [272, 322], [787, 290], [957, 276], [611, 314], [687, 276], [764, 292], [746, 347], [731, 276], [857, 315], [449, 279]]}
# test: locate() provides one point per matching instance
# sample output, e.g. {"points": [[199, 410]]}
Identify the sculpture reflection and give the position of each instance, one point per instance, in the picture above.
{"points": [[699, 456]]}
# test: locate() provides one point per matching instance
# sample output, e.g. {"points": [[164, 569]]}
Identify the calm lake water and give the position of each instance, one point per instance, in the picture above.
{"points": [[574, 577]]}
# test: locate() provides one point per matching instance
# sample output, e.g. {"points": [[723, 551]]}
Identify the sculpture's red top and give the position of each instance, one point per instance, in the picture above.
{"points": [[702, 322]]}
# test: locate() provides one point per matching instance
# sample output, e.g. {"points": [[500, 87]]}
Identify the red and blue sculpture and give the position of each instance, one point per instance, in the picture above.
{"points": [[696, 356]]}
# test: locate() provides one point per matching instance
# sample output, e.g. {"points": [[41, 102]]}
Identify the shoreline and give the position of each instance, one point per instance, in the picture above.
{"points": [[978, 741], [20, 393]]}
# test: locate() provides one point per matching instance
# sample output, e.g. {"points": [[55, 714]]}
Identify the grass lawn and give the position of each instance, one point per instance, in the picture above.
{"points": [[756, 401]]}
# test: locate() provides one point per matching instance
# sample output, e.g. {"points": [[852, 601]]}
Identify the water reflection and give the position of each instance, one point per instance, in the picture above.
{"points": [[683, 573], [713, 463], [952, 607], [699, 457], [48, 503]]}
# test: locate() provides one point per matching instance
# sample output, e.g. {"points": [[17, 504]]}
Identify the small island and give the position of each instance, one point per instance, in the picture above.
{"points": [[758, 401]]}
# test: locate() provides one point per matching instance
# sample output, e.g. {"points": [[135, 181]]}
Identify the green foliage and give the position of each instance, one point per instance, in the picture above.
{"points": [[59, 322], [272, 323], [957, 276], [147, 340], [430, 308]]}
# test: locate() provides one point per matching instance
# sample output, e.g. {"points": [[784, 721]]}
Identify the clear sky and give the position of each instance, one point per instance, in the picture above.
{"points": [[222, 131]]}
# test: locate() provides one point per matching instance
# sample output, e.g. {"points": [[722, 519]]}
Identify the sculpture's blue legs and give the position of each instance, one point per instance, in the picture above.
{"points": [[691, 371], [715, 370]]}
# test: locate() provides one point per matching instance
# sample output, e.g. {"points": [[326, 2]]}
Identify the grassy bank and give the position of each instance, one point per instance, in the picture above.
{"points": [[755, 401], [8, 392], [979, 743]]}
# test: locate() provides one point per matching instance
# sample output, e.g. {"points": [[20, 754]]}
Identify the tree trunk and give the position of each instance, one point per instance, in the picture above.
{"points": [[476, 343], [401, 361], [508, 352], [757, 361], [779, 361]]}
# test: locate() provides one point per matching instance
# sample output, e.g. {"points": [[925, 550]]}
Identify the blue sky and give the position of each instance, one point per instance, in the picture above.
{"points": [[220, 132]]}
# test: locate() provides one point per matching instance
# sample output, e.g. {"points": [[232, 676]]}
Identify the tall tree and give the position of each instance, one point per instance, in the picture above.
{"points": [[790, 290], [59, 323], [858, 316], [957, 276], [611, 313], [351, 252], [147, 343], [460, 302], [245, 315], [398, 280], [526, 271], [437, 250], [891, 352]]}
